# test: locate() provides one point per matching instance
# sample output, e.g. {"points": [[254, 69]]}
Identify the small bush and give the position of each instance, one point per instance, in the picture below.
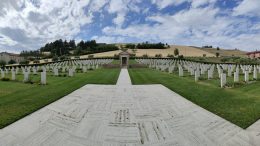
{"points": [[132, 55], [36, 61], [90, 56], [29, 81], [201, 59], [116, 56], [40, 70], [224, 59], [5, 79], [130, 46], [25, 62], [181, 56], [202, 78], [12, 61], [2, 63], [145, 56], [55, 58], [158, 55], [170, 56], [62, 75], [63, 57], [79, 70]]}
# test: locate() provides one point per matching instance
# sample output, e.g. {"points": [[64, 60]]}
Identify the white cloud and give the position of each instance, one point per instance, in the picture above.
{"points": [[96, 5], [42, 21], [198, 3], [164, 3], [121, 8], [108, 39], [196, 26], [4, 40], [248, 8], [28, 24]]}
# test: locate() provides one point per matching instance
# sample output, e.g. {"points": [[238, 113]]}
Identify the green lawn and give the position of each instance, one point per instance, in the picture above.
{"points": [[240, 105], [18, 99], [131, 61]]}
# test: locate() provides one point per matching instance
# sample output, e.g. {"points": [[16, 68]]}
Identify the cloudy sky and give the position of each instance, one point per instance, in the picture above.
{"points": [[29, 24]]}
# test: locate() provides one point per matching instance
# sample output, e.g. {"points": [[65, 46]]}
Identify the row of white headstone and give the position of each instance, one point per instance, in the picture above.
{"points": [[69, 66], [197, 69]]}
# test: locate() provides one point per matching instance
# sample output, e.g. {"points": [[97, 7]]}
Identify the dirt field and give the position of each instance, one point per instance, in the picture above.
{"points": [[186, 51], [224, 52], [183, 50]]}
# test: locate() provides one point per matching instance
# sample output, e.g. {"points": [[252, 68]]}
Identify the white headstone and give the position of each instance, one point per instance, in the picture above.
{"points": [[236, 76], [56, 71], [223, 80], [2, 74], [84, 68], [180, 71], [196, 75], [246, 76], [210, 74], [70, 72], [16, 70], [26, 76], [13, 75], [255, 73], [34, 71], [43, 78]]}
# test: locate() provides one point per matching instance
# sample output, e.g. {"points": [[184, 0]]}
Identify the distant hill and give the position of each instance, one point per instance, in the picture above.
{"points": [[186, 51], [225, 52]]}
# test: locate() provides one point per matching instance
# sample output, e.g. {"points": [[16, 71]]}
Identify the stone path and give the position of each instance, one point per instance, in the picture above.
{"points": [[124, 115], [124, 78]]}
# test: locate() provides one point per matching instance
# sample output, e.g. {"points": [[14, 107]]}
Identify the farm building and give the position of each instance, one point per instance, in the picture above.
{"points": [[5, 56], [255, 54]]}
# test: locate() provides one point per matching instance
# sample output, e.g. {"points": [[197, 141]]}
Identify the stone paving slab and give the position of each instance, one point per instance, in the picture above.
{"points": [[124, 115], [124, 78]]}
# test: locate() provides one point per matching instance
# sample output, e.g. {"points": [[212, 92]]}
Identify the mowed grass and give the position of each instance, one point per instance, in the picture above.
{"points": [[131, 61], [240, 105], [18, 99]]}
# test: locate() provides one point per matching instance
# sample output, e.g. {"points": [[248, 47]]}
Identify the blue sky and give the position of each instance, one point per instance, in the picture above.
{"points": [[29, 24]]}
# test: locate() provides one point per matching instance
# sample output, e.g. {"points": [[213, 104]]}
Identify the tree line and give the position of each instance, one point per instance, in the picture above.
{"points": [[147, 45], [66, 48]]}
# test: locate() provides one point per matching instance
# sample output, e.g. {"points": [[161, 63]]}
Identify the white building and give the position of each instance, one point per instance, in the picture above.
{"points": [[5, 56]]}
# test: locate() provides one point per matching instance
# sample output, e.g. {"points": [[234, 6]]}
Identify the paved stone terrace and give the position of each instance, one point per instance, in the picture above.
{"points": [[124, 115]]}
